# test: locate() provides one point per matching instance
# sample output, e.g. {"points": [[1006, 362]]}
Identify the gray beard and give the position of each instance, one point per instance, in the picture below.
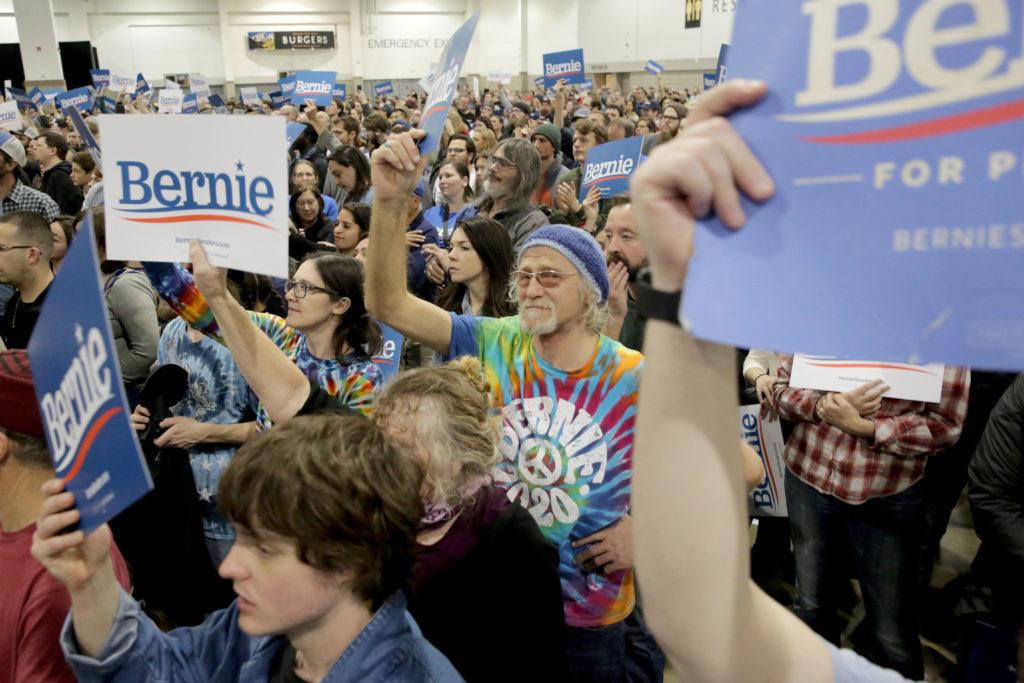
{"points": [[496, 191]]}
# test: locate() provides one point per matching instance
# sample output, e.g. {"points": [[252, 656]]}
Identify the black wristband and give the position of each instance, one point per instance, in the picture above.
{"points": [[654, 304]]}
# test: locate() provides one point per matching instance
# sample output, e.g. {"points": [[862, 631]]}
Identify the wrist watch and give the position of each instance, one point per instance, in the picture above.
{"points": [[654, 304]]}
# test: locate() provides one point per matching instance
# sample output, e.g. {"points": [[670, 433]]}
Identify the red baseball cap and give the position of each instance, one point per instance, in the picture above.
{"points": [[20, 412]]}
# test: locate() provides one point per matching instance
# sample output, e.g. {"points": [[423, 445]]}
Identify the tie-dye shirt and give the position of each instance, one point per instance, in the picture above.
{"points": [[566, 447], [217, 394], [353, 377]]}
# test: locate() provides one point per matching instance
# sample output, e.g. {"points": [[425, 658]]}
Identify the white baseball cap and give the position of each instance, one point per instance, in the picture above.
{"points": [[12, 147]]}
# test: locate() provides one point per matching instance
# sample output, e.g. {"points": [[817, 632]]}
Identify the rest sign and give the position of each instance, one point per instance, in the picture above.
{"points": [[198, 177]]}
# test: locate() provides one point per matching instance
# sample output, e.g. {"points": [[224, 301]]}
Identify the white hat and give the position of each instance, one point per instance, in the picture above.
{"points": [[12, 147]]}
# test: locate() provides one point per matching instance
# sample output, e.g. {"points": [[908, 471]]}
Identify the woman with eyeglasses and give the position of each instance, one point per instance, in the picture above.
{"points": [[306, 211], [304, 173], [328, 334]]}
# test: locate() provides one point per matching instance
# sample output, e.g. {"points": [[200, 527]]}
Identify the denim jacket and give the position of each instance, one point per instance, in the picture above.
{"points": [[389, 648]]}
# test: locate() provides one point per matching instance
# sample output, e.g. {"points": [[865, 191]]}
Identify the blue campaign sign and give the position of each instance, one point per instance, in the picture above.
{"points": [[278, 99], [108, 102], [652, 67], [215, 100], [190, 104], [36, 96], [80, 98], [21, 97], [445, 84], [610, 166], [141, 86], [100, 78], [80, 393], [287, 85], [722, 69], [391, 352], [313, 85], [539, 81], [384, 88], [710, 80], [340, 91], [567, 65], [292, 132], [587, 85], [896, 230], [87, 137]]}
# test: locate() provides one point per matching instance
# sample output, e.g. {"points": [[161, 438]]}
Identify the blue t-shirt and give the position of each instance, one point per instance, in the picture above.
{"points": [[217, 393], [566, 449], [446, 221]]}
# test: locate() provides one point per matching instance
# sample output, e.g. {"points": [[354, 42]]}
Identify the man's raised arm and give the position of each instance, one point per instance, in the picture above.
{"points": [[689, 514], [395, 168]]}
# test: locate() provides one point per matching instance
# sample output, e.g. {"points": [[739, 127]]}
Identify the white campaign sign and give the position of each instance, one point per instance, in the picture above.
{"points": [[906, 381], [199, 85], [249, 96], [198, 177], [10, 118], [120, 83], [768, 499], [170, 101]]}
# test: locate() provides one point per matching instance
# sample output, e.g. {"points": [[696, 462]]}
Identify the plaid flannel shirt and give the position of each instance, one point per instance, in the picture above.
{"points": [[24, 198], [854, 469]]}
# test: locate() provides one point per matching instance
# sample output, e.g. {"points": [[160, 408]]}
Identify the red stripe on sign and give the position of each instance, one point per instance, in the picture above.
{"points": [[94, 431], [947, 125], [200, 217], [884, 366], [607, 177]]}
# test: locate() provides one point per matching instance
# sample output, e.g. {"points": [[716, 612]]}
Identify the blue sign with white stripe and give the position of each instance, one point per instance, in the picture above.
{"points": [[79, 98], [610, 166], [80, 392], [567, 64], [652, 67], [313, 85], [444, 85]]}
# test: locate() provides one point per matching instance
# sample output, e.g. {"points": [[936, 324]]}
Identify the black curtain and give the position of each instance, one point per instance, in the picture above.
{"points": [[10, 65], [76, 58]]}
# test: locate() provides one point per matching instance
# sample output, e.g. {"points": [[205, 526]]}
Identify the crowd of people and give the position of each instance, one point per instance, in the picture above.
{"points": [[551, 488]]}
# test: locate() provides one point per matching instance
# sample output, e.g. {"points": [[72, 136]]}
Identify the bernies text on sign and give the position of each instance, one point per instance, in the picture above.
{"points": [[892, 132]]}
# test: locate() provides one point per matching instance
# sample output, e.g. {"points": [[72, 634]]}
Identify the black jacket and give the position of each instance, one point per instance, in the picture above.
{"points": [[997, 502], [57, 183], [497, 613]]}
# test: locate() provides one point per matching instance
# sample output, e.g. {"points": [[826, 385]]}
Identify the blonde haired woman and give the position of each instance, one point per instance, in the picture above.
{"points": [[483, 571]]}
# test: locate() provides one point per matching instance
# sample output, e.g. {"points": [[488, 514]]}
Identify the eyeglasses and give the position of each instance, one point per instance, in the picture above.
{"points": [[545, 278], [303, 288], [4, 247], [500, 161]]}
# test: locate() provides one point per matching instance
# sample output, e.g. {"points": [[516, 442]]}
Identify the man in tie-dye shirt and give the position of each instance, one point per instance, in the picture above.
{"points": [[566, 394]]}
